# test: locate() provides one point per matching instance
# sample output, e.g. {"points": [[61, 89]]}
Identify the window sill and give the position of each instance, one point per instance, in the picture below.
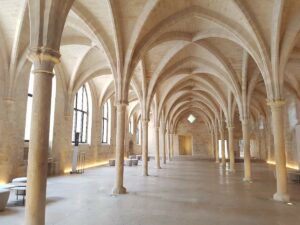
{"points": [[82, 144], [104, 144]]}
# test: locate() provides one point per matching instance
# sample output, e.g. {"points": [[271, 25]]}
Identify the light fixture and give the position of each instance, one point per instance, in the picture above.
{"points": [[191, 118]]}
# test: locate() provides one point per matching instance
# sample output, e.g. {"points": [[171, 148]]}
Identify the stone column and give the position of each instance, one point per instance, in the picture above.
{"points": [[212, 143], [277, 108], [163, 136], [172, 145], [145, 146], [223, 146], [231, 148], [120, 132], [9, 149], [39, 143], [247, 157], [217, 146], [157, 157], [169, 144]]}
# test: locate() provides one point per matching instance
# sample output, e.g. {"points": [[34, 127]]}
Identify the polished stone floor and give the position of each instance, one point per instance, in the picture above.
{"points": [[187, 191]]}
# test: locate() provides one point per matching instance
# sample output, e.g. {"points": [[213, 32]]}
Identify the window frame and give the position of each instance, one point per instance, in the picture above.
{"points": [[106, 120], [77, 110]]}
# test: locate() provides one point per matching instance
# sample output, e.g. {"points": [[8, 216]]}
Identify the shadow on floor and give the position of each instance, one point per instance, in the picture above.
{"points": [[51, 200], [8, 212]]}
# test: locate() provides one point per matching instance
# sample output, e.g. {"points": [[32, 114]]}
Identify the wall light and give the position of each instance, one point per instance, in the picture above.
{"points": [[290, 166], [68, 170]]}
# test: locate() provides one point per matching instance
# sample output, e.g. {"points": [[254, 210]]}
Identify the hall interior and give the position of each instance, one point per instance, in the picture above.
{"points": [[171, 108]]}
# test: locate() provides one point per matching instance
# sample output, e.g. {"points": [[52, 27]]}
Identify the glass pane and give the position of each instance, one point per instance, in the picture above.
{"points": [[79, 121], [104, 136], [30, 85], [74, 124], [85, 102], [84, 127], [79, 99], [28, 118], [105, 110]]}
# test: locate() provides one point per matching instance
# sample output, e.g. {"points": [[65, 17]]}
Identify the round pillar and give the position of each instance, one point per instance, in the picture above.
{"points": [[223, 147], [163, 138], [169, 145], [157, 157], [277, 108], [145, 147], [231, 148], [120, 133], [247, 157], [39, 144], [217, 147]]}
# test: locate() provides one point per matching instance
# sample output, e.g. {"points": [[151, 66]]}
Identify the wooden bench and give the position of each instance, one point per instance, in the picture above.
{"points": [[112, 162], [294, 176]]}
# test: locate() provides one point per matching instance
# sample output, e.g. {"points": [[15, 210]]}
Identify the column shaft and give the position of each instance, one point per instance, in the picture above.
{"points": [[212, 144], [231, 149], [279, 146], [247, 157], [172, 146], [169, 145], [163, 136], [157, 148], [217, 146], [223, 147], [145, 147], [38, 147], [120, 131]]}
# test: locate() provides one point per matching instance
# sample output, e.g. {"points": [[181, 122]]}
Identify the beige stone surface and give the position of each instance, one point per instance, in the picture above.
{"points": [[185, 191]]}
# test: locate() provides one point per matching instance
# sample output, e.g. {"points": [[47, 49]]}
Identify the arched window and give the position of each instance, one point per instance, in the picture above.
{"points": [[131, 125], [138, 131], [106, 112], [80, 115], [29, 107]]}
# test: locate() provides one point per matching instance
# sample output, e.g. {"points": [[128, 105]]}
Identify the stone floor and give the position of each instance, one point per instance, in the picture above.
{"points": [[185, 192]]}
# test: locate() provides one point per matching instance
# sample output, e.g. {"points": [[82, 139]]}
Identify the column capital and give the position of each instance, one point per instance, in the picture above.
{"points": [[121, 103], [9, 100], [244, 120], [41, 54], [230, 127], [145, 121], [276, 103]]}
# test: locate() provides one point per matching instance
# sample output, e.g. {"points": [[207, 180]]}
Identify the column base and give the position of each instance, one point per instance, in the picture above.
{"points": [[145, 174], [247, 179], [119, 190], [217, 161], [281, 197], [157, 167], [232, 170]]}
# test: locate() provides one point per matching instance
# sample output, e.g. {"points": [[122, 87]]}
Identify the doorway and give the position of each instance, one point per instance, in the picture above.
{"points": [[185, 145]]}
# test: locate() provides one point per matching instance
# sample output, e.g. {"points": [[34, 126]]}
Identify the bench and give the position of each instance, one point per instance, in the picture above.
{"points": [[128, 162], [112, 162], [294, 176], [135, 162]]}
